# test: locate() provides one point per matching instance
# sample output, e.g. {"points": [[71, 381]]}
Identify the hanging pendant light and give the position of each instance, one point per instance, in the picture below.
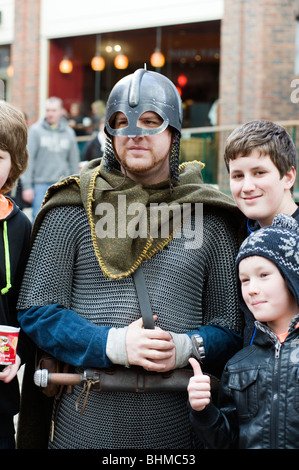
{"points": [[157, 58], [98, 63], [121, 61], [66, 65]]}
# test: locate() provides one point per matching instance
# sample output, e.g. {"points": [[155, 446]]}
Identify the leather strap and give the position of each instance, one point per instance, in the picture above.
{"points": [[143, 298]]}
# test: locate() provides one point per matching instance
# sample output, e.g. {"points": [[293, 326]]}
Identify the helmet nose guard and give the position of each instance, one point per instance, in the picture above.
{"points": [[139, 92]]}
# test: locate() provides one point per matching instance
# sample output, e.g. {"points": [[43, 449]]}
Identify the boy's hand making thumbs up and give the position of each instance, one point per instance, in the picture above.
{"points": [[199, 388]]}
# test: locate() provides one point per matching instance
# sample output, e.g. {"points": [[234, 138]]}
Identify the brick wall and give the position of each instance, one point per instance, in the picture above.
{"points": [[26, 57], [257, 64], [257, 61]]}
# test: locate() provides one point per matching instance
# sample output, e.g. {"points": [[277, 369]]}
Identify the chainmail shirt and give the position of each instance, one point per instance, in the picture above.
{"points": [[187, 288]]}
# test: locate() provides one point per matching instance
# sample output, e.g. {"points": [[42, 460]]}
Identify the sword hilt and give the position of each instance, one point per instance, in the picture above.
{"points": [[42, 378]]}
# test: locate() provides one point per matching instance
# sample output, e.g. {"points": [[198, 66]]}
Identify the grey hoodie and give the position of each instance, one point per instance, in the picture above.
{"points": [[53, 153]]}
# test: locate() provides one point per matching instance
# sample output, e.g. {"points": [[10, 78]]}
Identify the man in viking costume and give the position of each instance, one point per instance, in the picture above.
{"points": [[79, 301]]}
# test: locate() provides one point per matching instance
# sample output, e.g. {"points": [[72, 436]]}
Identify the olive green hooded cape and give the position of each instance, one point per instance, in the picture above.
{"points": [[119, 254]]}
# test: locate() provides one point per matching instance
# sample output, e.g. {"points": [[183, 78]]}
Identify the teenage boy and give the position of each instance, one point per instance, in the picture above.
{"points": [[15, 231], [258, 398], [261, 159]]}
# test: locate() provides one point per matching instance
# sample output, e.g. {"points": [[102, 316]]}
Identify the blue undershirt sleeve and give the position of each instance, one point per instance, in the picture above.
{"points": [[65, 335]]}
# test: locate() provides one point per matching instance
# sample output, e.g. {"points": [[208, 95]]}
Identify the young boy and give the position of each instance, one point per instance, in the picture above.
{"points": [[261, 159], [15, 229], [258, 397]]}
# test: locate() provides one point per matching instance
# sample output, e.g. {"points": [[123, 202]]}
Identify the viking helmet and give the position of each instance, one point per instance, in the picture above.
{"points": [[139, 92]]}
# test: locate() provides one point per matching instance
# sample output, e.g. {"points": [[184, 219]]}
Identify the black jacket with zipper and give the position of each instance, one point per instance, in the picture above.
{"points": [[258, 398], [18, 237]]}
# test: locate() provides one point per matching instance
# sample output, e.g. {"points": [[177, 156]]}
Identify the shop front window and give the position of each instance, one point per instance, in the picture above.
{"points": [[188, 54]]}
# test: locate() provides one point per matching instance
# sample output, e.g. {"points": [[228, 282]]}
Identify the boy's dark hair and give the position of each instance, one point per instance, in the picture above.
{"points": [[13, 139], [268, 138]]}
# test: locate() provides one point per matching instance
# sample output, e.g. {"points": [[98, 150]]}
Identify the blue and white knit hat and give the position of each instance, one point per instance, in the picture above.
{"points": [[279, 243]]}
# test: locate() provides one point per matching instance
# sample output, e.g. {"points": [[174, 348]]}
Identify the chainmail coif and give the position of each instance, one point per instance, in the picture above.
{"points": [[181, 283], [174, 155]]}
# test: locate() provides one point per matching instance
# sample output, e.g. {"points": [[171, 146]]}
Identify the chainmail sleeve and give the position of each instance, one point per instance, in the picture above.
{"points": [[220, 300], [51, 262]]}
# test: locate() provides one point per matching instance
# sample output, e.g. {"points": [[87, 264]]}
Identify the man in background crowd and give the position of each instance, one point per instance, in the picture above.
{"points": [[53, 154]]}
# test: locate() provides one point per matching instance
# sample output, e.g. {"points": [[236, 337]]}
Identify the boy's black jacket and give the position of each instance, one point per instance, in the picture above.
{"points": [[18, 235], [258, 397]]}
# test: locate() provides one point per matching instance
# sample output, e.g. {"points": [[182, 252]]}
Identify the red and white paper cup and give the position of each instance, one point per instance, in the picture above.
{"points": [[9, 336]]}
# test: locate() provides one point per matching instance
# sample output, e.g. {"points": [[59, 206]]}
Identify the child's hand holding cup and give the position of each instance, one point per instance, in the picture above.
{"points": [[9, 360]]}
